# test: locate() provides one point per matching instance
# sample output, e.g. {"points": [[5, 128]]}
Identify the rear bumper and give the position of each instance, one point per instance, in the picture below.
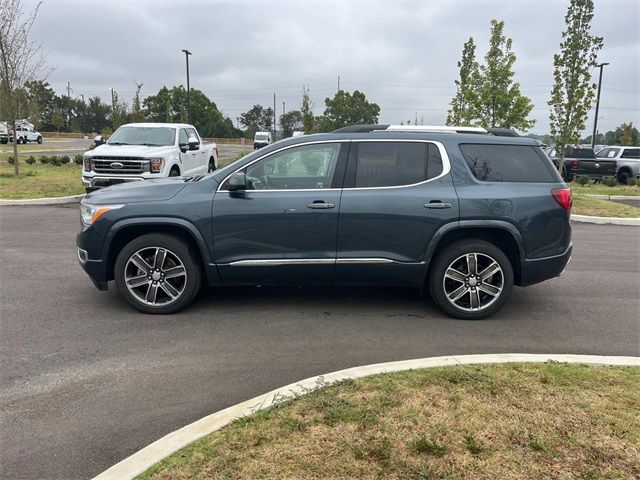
{"points": [[541, 269]]}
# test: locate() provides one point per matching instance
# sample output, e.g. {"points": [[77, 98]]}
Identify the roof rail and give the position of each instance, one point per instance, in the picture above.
{"points": [[360, 128], [435, 128]]}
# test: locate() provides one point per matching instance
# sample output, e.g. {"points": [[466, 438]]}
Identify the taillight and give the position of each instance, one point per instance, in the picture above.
{"points": [[575, 164], [563, 197]]}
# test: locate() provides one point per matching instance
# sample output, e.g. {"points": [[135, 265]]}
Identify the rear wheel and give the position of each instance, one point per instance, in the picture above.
{"points": [[158, 273], [212, 165], [471, 279], [39, 140]]}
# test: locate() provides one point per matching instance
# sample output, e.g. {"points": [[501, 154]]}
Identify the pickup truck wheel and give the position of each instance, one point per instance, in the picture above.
{"points": [[174, 172], [158, 274], [39, 140], [212, 165], [624, 176], [471, 279]]}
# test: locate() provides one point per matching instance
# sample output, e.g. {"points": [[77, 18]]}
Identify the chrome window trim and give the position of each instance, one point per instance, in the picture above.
{"points": [[309, 261], [277, 151], [446, 164]]}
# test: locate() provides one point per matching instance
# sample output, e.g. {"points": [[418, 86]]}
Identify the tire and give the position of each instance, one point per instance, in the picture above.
{"points": [[174, 172], [212, 165], [171, 296], [88, 190], [39, 140], [624, 176], [442, 287]]}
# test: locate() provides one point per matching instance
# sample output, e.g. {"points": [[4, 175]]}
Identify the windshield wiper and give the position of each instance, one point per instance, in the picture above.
{"points": [[152, 144], [195, 178], [119, 143]]}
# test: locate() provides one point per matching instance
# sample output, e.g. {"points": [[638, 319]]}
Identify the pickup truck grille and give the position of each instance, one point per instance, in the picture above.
{"points": [[119, 165]]}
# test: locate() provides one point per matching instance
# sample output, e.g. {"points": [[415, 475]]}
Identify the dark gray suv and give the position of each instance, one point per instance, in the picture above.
{"points": [[462, 212]]}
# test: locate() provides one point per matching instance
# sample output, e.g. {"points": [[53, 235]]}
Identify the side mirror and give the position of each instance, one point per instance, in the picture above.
{"points": [[99, 140], [237, 182], [183, 147], [194, 143]]}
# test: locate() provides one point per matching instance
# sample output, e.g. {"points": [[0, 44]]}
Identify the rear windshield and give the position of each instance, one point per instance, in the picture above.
{"points": [[579, 153], [508, 163]]}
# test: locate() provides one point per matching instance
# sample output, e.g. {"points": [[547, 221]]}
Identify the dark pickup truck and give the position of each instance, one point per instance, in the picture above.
{"points": [[582, 162]]}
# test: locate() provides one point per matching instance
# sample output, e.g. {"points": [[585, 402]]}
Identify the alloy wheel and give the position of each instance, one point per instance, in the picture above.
{"points": [[473, 282]]}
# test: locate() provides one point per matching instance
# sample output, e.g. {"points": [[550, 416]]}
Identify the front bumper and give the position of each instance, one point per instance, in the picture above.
{"points": [[99, 181], [89, 244], [540, 269]]}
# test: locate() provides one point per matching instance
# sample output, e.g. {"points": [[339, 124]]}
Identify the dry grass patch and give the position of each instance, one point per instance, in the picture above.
{"points": [[598, 207], [518, 421]]}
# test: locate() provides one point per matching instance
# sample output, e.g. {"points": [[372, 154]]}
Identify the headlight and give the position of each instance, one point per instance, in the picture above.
{"points": [[156, 165], [90, 213], [86, 160]]}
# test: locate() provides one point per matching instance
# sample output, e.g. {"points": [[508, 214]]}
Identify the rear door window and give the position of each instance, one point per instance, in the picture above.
{"points": [[391, 164], [608, 153], [631, 153], [508, 163]]}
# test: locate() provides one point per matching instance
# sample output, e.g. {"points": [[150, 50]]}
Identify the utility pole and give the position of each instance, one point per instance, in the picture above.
{"points": [[283, 109], [186, 54], [274, 117], [595, 121], [82, 96], [69, 90]]}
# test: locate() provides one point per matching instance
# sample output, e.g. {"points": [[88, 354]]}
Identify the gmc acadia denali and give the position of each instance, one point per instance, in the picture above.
{"points": [[461, 211]]}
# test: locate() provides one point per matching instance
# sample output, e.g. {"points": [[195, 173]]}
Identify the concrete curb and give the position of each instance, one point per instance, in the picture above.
{"points": [[605, 220], [158, 450], [43, 201], [612, 197]]}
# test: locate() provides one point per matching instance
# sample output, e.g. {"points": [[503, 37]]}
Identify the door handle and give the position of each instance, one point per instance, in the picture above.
{"points": [[436, 204], [319, 204]]}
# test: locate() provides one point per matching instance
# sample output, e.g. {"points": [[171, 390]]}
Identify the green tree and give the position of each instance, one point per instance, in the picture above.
{"points": [[97, 115], [463, 109], [41, 99], [500, 103], [290, 121], [308, 119], [137, 115], [347, 109], [257, 119], [572, 94], [57, 120]]}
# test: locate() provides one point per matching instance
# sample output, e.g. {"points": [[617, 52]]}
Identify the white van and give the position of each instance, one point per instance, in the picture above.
{"points": [[262, 139]]}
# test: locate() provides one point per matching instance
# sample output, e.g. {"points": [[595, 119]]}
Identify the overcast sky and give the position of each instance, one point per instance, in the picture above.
{"points": [[401, 54]]}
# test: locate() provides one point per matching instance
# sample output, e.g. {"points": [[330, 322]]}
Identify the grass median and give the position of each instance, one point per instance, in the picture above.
{"points": [[512, 421], [601, 189], [598, 207], [38, 181]]}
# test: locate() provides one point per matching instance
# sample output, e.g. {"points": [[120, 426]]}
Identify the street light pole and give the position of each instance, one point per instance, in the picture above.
{"points": [[595, 121], [186, 54]]}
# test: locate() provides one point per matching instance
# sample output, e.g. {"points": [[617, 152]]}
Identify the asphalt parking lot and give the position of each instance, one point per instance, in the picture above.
{"points": [[86, 381]]}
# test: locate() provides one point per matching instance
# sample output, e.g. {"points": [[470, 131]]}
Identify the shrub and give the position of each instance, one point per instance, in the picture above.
{"points": [[10, 159], [55, 161], [31, 160], [633, 182], [31, 173], [44, 159], [582, 180], [78, 159], [610, 181]]}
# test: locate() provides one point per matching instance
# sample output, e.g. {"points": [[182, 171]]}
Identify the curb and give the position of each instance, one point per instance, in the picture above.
{"points": [[605, 220], [612, 197], [43, 201], [158, 450]]}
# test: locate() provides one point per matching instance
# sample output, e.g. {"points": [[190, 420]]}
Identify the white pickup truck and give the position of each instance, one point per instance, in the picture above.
{"points": [[140, 151]]}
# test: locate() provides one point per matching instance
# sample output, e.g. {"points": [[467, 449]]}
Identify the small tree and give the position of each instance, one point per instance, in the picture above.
{"points": [[627, 134], [20, 62], [346, 109], [463, 109], [308, 119], [500, 102], [137, 114], [290, 121], [572, 93]]}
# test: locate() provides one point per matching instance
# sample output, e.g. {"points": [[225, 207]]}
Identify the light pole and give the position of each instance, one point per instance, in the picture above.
{"points": [[186, 54], [595, 121]]}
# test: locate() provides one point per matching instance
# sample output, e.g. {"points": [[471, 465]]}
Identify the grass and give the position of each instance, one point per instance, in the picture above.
{"points": [[37, 181], [512, 421], [8, 149], [600, 189], [598, 207]]}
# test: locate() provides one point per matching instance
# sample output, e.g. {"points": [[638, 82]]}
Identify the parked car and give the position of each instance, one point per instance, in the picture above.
{"points": [[582, 162], [145, 151], [262, 139], [627, 159], [26, 132], [5, 133], [465, 215]]}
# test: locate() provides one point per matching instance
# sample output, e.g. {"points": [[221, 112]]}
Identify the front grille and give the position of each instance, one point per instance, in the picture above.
{"points": [[129, 165]]}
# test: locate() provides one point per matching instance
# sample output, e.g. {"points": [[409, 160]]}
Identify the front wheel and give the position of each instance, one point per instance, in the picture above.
{"points": [[212, 165], [471, 279], [39, 140], [158, 273]]}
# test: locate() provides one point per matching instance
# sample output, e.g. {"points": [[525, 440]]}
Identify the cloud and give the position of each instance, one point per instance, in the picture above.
{"points": [[401, 54]]}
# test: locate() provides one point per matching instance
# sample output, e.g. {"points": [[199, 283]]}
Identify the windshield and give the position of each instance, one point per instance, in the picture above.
{"points": [[151, 136], [261, 136]]}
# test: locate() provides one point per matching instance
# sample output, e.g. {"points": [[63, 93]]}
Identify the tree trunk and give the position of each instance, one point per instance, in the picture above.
{"points": [[16, 165]]}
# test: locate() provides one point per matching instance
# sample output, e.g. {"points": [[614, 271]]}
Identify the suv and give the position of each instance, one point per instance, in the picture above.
{"points": [[627, 158], [466, 215]]}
